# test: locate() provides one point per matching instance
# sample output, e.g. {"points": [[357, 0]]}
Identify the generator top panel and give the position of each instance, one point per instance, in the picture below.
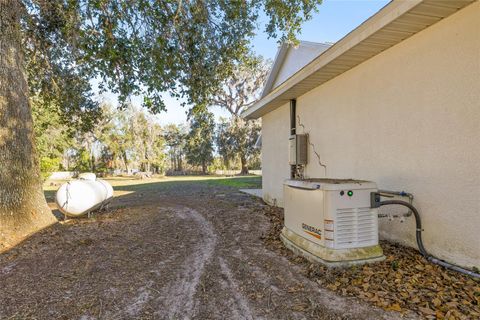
{"points": [[331, 184]]}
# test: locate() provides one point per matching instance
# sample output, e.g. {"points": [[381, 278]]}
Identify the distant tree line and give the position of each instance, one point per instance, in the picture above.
{"points": [[130, 139], [121, 140]]}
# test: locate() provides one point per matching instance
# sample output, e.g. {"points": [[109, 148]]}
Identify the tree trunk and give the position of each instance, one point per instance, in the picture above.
{"points": [[23, 209], [125, 160], [145, 155], [226, 163], [243, 161], [92, 166], [179, 163]]}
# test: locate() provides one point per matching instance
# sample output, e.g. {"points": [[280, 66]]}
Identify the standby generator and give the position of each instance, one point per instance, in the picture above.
{"points": [[331, 221]]}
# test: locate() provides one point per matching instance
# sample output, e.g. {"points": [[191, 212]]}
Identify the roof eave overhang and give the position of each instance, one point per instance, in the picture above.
{"points": [[394, 23]]}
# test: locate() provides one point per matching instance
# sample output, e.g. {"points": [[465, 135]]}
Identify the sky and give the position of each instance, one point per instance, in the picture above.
{"points": [[334, 20]]}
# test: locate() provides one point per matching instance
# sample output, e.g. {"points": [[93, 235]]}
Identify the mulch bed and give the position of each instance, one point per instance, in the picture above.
{"points": [[404, 281]]}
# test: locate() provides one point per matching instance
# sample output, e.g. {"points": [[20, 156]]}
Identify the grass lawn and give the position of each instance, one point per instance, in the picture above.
{"points": [[248, 182], [126, 185]]}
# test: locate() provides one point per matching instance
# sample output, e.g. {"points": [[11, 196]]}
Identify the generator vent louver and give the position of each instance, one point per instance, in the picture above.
{"points": [[356, 227]]}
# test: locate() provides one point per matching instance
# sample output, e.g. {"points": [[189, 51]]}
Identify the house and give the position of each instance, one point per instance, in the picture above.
{"points": [[396, 101]]}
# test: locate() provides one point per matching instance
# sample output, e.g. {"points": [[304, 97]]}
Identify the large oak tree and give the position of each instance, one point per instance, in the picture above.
{"points": [[199, 140], [237, 93], [53, 49]]}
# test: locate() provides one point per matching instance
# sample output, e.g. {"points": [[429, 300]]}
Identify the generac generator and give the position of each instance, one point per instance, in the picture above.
{"points": [[331, 221]]}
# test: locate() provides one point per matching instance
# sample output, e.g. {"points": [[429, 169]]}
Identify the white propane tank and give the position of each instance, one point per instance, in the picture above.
{"points": [[78, 197], [87, 176]]}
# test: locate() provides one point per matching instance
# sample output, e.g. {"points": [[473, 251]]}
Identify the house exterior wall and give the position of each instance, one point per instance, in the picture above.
{"points": [[275, 167], [297, 58], [408, 119]]}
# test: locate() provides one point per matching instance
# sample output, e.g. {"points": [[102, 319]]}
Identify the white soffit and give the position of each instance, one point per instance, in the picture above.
{"points": [[397, 21]]}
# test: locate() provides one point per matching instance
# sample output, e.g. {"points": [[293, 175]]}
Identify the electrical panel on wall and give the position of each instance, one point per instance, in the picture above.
{"points": [[298, 146]]}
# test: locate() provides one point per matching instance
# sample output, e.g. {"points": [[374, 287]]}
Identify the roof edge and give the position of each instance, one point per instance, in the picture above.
{"points": [[378, 22], [279, 58]]}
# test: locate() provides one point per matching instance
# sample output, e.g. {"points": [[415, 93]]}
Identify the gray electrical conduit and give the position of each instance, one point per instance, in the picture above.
{"points": [[424, 252]]}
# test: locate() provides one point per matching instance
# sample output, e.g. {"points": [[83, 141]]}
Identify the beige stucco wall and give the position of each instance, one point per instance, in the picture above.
{"points": [[275, 167], [408, 119]]}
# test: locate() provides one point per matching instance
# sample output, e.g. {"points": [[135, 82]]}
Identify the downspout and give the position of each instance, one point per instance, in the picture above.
{"points": [[293, 117], [293, 130]]}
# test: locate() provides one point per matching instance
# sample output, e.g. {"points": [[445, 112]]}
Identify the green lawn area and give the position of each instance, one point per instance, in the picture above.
{"points": [[125, 185], [248, 182]]}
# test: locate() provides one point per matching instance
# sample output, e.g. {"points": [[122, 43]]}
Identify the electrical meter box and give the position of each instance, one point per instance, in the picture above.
{"points": [[298, 146], [330, 221]]}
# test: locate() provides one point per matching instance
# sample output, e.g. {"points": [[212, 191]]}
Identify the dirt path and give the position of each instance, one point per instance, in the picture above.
{"points": [[189, 251]]}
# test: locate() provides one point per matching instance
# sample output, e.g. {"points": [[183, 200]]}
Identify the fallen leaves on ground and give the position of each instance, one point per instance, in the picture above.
{"points": [[403, 281]]}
